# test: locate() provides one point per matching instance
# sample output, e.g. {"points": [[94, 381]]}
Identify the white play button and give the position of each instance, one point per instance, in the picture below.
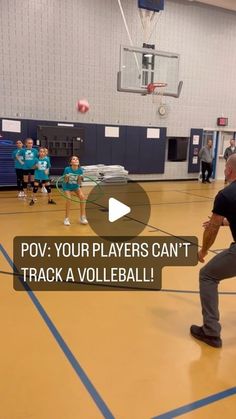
{"points": [[117, 210], [129, 210]]}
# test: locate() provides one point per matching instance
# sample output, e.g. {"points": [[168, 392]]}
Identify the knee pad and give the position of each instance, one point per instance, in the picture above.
{"points": [[35, 189], [48, 187], [32, 184], [24, 185]]}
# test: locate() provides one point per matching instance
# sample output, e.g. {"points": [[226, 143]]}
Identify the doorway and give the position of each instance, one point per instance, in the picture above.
{"points": [[223, 143]]}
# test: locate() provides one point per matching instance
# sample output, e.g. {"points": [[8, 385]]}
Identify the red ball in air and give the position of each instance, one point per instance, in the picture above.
{"points": [[82, 106]]}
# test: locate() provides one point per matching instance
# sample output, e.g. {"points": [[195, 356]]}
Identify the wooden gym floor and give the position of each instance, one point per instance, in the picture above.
{"points": [[126, 355]]}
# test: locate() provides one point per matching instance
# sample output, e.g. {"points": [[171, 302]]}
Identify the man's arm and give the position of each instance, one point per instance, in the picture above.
{"points": [[226, 154], [200, 153], [209, 235]]}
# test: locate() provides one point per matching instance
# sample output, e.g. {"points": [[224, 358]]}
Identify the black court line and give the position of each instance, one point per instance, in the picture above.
{"points": [[121, 186], [36, 212], [89, 208], [141, 222], [92, 285], [105, 193], [192, 194]]}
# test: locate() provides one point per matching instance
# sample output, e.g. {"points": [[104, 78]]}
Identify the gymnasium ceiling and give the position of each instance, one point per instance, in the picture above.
{"points": [[226, 4]]}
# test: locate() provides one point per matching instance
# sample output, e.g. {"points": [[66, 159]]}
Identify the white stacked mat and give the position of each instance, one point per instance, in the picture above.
{"points": [[106, 174]]}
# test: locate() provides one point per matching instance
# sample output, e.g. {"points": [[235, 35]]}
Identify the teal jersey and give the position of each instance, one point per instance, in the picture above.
{"points": [[16, 153], [30, 155], [42, 169], [49, 160], [74, 175]]}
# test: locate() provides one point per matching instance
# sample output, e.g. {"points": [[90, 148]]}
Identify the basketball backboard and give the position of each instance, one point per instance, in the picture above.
{"points": [[141, 66]]}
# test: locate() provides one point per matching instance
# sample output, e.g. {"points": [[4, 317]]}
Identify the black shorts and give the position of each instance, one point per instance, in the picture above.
{"points": [[27, 172], [42, 182]]}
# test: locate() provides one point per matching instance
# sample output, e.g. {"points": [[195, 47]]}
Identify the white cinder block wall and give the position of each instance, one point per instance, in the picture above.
{"points": [[53, 52]]}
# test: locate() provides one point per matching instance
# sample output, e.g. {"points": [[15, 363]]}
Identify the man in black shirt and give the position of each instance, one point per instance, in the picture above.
{"points": [[223, 265]]}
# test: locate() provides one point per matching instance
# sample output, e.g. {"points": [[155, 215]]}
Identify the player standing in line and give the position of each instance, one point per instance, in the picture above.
{"points": [[72, 183], [18, 163], [42, 167], [43, 189], [30, 156]]}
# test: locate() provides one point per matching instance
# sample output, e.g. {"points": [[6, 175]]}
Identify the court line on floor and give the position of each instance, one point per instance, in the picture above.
{"points": [[189, 192], [110, 186], [105, 411], [75, 209], [140, 289], [198, 196], [195, 291], [197, 404]]}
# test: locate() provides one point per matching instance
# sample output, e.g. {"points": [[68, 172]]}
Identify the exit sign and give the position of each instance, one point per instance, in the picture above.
{"points": [[222, 121]]}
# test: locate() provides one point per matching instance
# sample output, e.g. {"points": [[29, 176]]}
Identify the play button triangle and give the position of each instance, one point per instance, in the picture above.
{"points": [[117, 210]]}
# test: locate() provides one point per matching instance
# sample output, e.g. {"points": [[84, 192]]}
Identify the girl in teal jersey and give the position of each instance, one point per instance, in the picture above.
{"points": [[41, 174], [72, 184], [29, 155], [18, 163], [43, 189]]}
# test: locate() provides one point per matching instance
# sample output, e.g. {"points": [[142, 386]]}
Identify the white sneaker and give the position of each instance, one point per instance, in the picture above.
{"points": [[83, 220], [20, 194], [66, 222]]}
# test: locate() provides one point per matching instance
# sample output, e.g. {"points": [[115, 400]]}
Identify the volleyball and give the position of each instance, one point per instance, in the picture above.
{"points": [[82, 106]]}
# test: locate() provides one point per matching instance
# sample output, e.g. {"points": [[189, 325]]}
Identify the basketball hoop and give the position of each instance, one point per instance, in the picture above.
{"points": [[157, 91], [151, 87]]}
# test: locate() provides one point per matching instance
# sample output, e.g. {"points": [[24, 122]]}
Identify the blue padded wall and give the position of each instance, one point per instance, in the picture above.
{"points": [[111, 150], [194, 150], [152, 152], [132, 149]]}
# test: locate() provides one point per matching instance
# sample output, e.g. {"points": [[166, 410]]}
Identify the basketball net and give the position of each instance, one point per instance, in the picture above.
{"points": [[157, 91]]}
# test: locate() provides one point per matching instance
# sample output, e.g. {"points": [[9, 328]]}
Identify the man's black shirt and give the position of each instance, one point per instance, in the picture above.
{"points": [[225, 205]]}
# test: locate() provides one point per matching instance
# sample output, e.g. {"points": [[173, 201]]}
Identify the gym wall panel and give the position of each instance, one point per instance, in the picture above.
{"points": [[104, 146], [152, 152], [118, 147], [90, 149], [132, 149]]}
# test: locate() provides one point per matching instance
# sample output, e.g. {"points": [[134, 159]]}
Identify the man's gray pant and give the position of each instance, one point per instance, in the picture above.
{"points": [[222, 266]]}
